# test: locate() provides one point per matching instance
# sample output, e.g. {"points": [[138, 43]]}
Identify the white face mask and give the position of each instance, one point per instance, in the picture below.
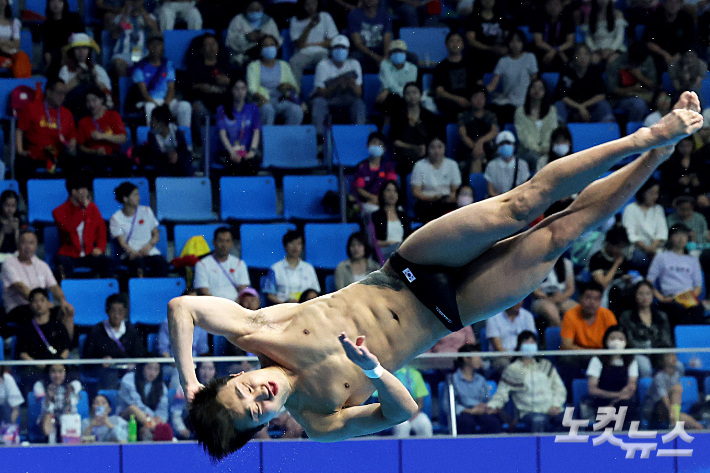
{"points": [[376, 151], [616, 344], [561, 149], [464, 200], [528, 348]]}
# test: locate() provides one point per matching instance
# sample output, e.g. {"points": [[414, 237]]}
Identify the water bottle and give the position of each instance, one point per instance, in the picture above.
{"points": [[132, 429], [52, 437]]}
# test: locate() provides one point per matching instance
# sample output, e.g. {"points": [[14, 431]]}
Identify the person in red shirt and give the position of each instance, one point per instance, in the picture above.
{"points": [[45, 136], [82, 233], [100, 136], [373, 173]]}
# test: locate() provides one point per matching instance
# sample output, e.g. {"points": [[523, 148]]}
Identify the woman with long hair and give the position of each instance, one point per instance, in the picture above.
{"points": [[56, 30], [239, 125], [10, 223], [606, 34], [358, 265], [392, 225], [645, 223], [144, 396], [11, 57], [534, 123]]}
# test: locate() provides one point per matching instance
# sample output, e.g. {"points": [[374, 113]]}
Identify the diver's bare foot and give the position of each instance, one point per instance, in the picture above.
{"points": [[676, 125], [688, 101]]}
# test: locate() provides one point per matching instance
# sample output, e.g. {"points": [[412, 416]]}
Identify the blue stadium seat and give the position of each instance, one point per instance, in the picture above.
{"points": [[706, 387], [50, 237], [290, 147], [9, 184], [8, 85], [303, 195], [326, 243], [526, 31], [643, 385], [638, 32], [588, 135], [705, 91], [329, 284], [152, 343], [162, 244], [370, 90], [351, 143], [690, 392], [409, 200], [307, 84], [286, 46], [26, 42], [106, 199], [483, 339], [262, 243], [88, 296], [185, 232], [479, 185], [220, 345], [215, 146], [693, 336], [82, 407], [427, 43], [631, 127], [492, 387], [553, 340], [667, 83], [453, 140], [427, 80], [580, 388], [248, 198], [40, 6], [177, 43], [149, 298], [111, 395], [550, 79], [142, 134], [43, 196], [2, 349], [184, 199]]}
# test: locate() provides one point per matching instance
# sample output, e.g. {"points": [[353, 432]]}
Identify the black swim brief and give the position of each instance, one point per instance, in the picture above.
{"points": [[434, 286]]}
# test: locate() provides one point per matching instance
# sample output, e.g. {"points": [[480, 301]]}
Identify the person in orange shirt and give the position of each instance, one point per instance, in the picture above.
{"points": [[583, 326]]}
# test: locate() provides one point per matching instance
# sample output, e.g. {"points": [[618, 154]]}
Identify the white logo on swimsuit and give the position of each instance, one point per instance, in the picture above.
{"points": [[442, 314], [409, 275]]}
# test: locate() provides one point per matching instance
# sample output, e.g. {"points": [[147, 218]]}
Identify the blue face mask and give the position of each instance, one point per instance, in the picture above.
{"points": [[528, 348], [255, 16], [268, 52], [506, 150], [340, 54], [398, 58], [376, 151]]}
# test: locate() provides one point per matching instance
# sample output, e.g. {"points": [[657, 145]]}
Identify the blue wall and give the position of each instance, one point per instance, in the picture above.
{"points": [[446, 455]]}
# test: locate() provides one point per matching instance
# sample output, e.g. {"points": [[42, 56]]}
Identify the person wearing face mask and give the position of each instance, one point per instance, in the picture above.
{"points": [[271, 82], [464, 196], [338, 86], [535, 387], [395, 73], [612, 379], [372, 174], [246, 31], [507, 171]]}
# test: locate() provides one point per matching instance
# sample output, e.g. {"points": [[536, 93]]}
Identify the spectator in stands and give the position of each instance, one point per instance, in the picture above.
{"points": [[167, 146], [239, 126], [630, 81], [584, 326], [411, 129], [208, 77], [171, 10], [610, 266], [661, 105], [81, 73], [82, 233], [502, 331], [645, 326], [478, 128], [10, 398], [135, 229], [688, 72], [580, 94], [370, 32], [100, 137], [471, 393], [553, 37], [144, 395], [115, 337], [434, 183], [130, 30], [291, 276], [453, 80], [420, 423], [58, 396], [338, 86], [512, 75], [535, 387], [487, 30], [359, 263], [221, 274], [249, 299], [11, 57], [395, 73], [372, 173], [10, 223], [553, 297], [534, 123], [685, 214], [206, 372], [25, 272], [311, 31], [155, 78], [684, 173], [200, 342], [246, 31], [661, 406], [607, 30], [464, 196], [340, 9], [56, 29], [645, 223], [271, 82], [669, 32], [45, 135], [677, 280], [101, 425], [392, 225], [613, 379], [307, 295], [107, 10], [561, 144], [507, 171]]}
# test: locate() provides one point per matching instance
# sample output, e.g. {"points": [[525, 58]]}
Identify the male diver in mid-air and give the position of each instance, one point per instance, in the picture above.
{"points": [[452, 272]]}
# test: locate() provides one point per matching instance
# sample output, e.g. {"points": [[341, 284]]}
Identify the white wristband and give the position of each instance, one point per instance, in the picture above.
{"points": [[375, 373]]}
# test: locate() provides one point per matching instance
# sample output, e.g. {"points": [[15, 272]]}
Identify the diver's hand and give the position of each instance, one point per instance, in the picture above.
{"points": [[358, 352], [191, 390]]}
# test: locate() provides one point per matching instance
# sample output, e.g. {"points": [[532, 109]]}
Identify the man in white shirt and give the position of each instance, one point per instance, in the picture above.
{"points": [[311, 35], [502, 331], [221, 274], [291, 276], [338, 85], [501, 173], [10, 396]]}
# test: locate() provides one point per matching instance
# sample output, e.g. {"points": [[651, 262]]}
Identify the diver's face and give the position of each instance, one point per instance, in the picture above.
{"points": [[254, 397]]}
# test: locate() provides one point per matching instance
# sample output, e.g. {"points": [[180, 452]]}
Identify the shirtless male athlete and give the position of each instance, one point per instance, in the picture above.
{"points": [[454, 271]]}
